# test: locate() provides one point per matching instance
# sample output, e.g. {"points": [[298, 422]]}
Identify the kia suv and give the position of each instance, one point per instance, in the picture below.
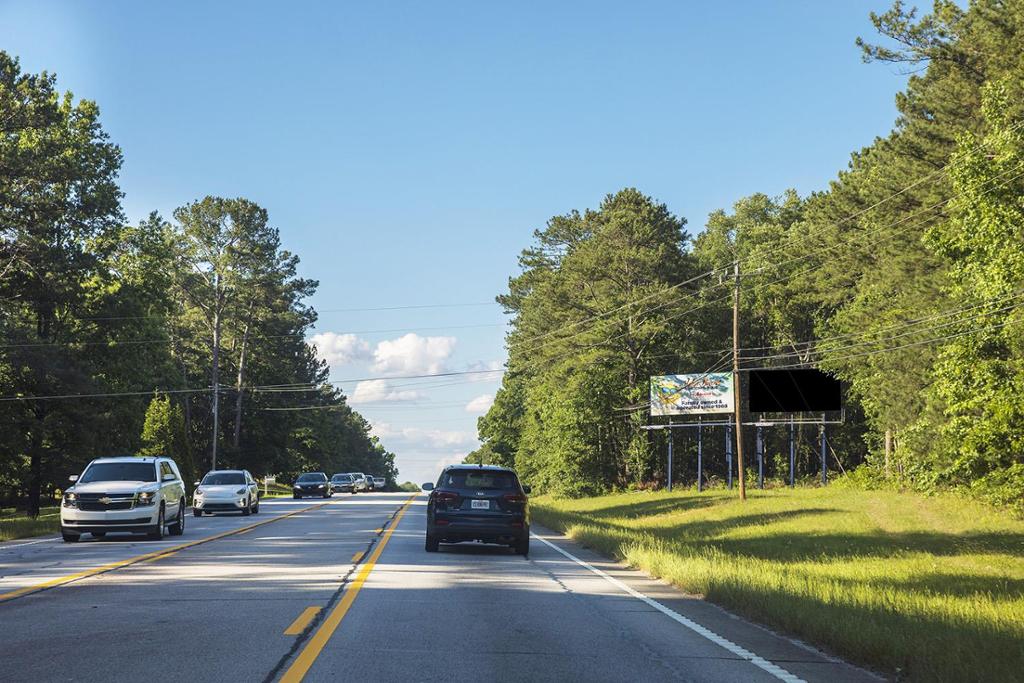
{"points": [[478, 503], [137, 495]]}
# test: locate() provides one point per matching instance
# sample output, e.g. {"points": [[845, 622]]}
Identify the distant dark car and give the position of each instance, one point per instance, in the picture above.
{"points": [[342, 483], [311, 484], [473, 503]]}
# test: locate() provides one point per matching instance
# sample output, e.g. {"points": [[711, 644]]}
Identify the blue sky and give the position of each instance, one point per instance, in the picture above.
{"points": [[407, 150]]}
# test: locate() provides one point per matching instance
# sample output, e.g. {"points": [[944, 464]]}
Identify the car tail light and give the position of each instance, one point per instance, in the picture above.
{"points": [[514, 498], [446, 498], [441, 522]]}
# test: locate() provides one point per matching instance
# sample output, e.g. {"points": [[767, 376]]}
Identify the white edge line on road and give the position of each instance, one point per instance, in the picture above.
{"points": [[18, 545], [760, 662]]}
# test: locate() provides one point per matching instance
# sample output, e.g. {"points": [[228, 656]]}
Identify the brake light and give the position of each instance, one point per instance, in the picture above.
{"points": [[445, 498], [514, 498]]}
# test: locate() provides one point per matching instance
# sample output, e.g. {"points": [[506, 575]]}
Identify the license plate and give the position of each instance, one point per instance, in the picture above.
{"points": [[480, 504]]}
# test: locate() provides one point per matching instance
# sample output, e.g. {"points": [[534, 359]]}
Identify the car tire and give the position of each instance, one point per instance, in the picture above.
{"points": [[247, 510], [157, 532], [98, 534], [197, 512], [295, 497], [69, 538], [256, 507], [178, 527], [432, 544], [522, 546]]}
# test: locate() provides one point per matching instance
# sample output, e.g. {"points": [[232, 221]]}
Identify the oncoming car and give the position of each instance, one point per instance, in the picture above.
{"points": [[226, 491], [137, 495], [478, 503], [311, 484], [342, 483]]}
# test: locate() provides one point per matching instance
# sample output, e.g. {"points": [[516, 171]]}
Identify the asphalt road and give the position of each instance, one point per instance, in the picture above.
{"points": [[343, 590]]}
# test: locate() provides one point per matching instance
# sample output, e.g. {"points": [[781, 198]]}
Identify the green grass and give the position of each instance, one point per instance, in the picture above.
{"points": [[14, 524], [927, 588]]}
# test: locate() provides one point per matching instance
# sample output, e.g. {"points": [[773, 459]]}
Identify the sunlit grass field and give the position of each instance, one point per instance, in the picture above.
{"points": [[15, 524], [925, 588]]}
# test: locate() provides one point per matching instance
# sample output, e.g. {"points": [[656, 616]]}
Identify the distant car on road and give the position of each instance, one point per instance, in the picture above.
{"points": [[360, 481], [379, 483], [478, 503], [342, 483], [226, 491], [137, 495], [370, 486], [311, 484]]}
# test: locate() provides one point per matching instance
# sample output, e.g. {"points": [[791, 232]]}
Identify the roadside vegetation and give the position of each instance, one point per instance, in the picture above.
{"points": [[929, 588], [113, 334], [904, 276], [15, 524]]}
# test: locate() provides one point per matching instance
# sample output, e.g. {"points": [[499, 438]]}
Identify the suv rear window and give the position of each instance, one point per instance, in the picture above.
{"points": [[119, 471], [479, 479]]}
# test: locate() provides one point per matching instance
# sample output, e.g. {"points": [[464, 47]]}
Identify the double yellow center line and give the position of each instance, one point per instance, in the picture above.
{"points": [[297, 671], [148, 557]]}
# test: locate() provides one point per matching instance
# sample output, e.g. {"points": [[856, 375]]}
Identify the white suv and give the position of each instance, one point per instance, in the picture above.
{"points": [[138, 495]]}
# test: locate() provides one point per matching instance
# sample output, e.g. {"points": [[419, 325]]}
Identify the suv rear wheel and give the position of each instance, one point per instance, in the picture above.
{"points": [[522, 546], [432, 544]]}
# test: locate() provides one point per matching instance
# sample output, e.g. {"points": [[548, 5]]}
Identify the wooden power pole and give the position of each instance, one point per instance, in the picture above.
{"points": [[736, 377]]}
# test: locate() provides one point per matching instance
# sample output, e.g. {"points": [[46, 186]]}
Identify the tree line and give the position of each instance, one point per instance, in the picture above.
{"points": [[114, 336], [905, 278]]}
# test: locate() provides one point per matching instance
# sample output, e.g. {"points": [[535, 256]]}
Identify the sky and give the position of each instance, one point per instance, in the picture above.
{"points": [[408, 150]]}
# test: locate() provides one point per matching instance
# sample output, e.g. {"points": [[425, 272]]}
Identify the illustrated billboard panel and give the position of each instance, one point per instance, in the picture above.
{"points": [[692, 394]]}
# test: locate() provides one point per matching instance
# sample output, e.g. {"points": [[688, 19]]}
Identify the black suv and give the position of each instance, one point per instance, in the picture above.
{"points": [[312, 484], [478, 503]]}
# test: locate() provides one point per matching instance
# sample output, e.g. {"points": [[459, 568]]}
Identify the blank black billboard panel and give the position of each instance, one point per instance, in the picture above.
{"points": [[793, 391]]}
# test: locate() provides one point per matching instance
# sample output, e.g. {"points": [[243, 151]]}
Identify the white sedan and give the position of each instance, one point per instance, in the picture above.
{"points": [[226, 491]]}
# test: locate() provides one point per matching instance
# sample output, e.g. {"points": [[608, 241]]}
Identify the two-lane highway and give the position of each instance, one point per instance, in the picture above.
{"points": [[343, 590]]}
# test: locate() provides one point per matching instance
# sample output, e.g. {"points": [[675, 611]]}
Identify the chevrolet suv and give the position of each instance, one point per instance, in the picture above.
{"points": [[137, 495], [478, 503]]}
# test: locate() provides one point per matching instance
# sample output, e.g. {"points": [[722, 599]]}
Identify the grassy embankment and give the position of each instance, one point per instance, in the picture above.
{"points": [[16, 524], [929, 588]]}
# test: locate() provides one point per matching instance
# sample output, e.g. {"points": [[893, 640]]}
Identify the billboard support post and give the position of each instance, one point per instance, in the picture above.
{"points": [[824, 461], [670, 457], [760, 457], [792, 453], [728, 454], [700, 455]]}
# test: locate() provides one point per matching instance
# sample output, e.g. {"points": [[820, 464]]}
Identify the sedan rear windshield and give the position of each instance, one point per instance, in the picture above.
{"points": [[223, 479], [314, 477], [483, 480], [119, 471]]}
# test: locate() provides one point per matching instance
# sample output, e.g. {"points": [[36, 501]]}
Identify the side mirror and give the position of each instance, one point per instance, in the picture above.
{"points": [[527, 489], [197, 483], [427, 487], [73, 478]]}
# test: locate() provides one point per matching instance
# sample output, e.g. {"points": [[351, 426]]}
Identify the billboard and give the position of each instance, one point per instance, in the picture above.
{"points": [[793, 391], [692, 394]]}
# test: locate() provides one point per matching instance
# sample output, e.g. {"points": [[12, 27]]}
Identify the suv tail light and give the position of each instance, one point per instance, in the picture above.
{"points": [[446, 498], [514, 498]]}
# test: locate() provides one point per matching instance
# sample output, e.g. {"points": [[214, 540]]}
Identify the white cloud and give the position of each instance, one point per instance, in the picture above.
{"points": [[378, 390], [480, 404], [425, 438], [340, 349], [412, 354]]}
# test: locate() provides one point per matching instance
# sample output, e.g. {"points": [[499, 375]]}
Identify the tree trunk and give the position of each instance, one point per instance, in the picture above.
{"points": [[888, 450], [236, 439]]}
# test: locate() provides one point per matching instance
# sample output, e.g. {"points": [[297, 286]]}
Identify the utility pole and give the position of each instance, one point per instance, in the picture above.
{"points": [[736, 376], [215, 370]]}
